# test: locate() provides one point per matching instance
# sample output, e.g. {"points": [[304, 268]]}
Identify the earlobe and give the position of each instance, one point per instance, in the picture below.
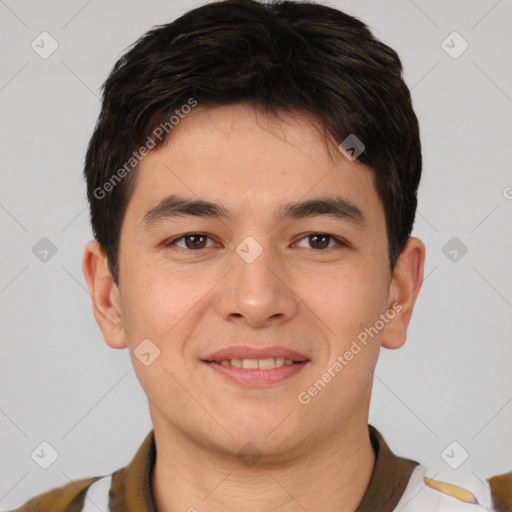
{"points": [[404, 289], [104, 294]]}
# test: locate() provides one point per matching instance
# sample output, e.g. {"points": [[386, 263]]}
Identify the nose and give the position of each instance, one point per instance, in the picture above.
{"points": [[258, 292]]}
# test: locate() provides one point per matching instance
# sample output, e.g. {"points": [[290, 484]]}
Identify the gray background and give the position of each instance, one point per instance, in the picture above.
{"points": [[60, 382]]}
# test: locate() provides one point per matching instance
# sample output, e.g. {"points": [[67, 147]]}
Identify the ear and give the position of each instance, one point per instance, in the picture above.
{"points": [[106, 303], [405, 285]]}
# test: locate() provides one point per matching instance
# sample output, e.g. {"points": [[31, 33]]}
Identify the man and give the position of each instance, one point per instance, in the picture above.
{"points": [[252, 180]]}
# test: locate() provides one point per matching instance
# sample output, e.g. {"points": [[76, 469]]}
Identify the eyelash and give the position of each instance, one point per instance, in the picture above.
{"points": [[339, 242]]}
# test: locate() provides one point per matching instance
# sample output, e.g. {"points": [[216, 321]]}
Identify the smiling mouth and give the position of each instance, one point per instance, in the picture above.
{"points": [[268, 363], [256, 373]]}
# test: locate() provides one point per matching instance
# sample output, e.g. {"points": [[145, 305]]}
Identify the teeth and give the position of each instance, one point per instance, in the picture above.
{"points": [[254, 364], [250, 364], [265, 364]]}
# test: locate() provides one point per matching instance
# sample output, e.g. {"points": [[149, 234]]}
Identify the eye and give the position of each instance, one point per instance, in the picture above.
{"points": [[317, 241], [192, 241], [320, 241]]}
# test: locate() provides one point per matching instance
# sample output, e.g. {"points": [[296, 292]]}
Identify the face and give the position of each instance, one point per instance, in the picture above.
{"points": [[260, 291]]}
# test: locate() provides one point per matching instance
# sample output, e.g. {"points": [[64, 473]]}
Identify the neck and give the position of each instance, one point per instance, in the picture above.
{"points": [[332, 477]]}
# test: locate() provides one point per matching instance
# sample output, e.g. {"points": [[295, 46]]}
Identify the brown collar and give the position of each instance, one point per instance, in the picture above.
{"points": [[131, 485], [501, 492], [389, 478]]}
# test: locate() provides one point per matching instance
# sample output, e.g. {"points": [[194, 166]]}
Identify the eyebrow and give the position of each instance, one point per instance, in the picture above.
{"points": [[174, 206]]}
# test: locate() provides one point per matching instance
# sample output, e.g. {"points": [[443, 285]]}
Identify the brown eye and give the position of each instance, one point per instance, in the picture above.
{"points": [[192, 241], [195, 241], [320, 241]]}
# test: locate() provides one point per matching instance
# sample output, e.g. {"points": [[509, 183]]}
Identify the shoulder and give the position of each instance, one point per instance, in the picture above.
{"points": [[430, 490], [67, 498], [125, 488]]}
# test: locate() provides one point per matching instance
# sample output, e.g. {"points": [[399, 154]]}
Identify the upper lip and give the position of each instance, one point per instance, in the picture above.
{"points": [[246, 352]]}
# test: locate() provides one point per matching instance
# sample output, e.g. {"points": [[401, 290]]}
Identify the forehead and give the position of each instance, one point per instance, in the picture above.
{"points": [[250, 163]]}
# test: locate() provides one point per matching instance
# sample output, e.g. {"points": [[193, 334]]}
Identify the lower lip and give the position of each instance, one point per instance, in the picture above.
{"points": [[257, 378]]}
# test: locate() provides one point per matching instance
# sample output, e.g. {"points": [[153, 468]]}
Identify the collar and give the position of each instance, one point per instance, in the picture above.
{"points": [[131, 485], [389, 478]]}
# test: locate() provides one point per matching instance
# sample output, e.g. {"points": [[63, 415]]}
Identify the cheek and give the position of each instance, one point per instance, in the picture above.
{"points": [[150, 302], [158, 308], [350, 307], [160, 303], [347, 301], [155, 308]]}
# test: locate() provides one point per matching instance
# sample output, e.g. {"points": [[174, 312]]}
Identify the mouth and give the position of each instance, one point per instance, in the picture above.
{"points": [[267, 363], [256, 368]]}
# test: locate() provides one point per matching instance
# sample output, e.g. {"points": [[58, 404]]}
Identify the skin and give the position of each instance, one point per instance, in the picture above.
{"points": [[191, 302]]}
